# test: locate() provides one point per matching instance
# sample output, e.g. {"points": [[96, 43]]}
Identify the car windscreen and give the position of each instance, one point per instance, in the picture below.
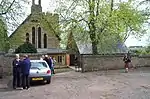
{"points": [[38, 65]]}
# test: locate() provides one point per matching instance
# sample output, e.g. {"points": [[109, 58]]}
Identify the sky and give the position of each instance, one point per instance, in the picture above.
{"points": [[49, 6]]}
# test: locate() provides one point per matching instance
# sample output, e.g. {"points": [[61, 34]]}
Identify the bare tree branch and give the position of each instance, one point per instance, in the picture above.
{"points": [[52, 28], [8, 8], [97, 8]]}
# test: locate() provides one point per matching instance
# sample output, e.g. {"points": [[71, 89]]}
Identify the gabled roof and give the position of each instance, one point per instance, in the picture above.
{"points": [[20, 25], [50, 26], [86, 47]]}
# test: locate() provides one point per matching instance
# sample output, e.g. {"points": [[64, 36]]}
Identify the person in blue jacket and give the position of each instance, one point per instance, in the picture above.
{"points": [[16, 72], [25, 67]]}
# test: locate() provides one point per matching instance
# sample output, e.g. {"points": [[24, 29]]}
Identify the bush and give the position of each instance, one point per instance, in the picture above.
{"points": [[26, 48], [144, 52]]}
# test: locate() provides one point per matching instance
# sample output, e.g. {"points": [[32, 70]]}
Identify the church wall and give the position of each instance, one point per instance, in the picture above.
{"points": [[48, 22], [19, 37]]}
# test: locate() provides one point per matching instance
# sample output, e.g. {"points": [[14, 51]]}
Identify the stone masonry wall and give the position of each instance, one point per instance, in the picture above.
{"points": [[106, 62], [87, 62], [6, 62], [1, 66]]}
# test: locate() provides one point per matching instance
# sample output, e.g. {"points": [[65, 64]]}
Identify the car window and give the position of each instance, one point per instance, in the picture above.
{"points": [[38, 65]]}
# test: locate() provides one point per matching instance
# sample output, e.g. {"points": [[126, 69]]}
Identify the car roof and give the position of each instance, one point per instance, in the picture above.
{"points": [[37, 60]]}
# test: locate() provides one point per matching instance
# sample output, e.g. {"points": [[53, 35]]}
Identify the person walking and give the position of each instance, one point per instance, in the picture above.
{"points": [[25, 67], [126, 60], [16, 72]]}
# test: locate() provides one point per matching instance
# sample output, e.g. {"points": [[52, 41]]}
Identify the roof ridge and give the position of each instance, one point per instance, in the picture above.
{"points": [[20, 25]]}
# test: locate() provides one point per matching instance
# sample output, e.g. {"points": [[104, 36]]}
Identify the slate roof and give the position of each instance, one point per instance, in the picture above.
{"points": [[86, 47], [51, 50]]}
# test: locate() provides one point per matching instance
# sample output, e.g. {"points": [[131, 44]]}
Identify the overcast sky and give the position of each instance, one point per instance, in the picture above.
{"points": [[50, 5]]}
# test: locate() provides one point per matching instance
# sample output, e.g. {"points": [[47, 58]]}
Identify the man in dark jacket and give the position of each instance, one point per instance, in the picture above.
{"points": [[127, 60], [47, 59], [25, 67], [16, 71]]}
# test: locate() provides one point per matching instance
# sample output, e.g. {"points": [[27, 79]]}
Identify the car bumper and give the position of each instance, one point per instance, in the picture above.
{"points": [[40, 78]]}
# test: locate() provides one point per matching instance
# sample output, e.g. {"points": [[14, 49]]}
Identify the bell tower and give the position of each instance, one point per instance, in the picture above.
{"points": [[36, 8]]}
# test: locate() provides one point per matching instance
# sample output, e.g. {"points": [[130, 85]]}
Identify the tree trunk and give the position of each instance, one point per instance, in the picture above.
{"points": [[94, 47], [94, 41], [92, 27]]}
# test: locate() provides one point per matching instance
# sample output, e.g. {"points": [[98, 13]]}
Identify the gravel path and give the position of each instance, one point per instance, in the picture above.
{"points": [[94, 85]]}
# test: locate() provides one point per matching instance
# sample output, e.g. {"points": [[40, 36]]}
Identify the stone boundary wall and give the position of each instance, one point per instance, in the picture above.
{"points": [[86, 62], [6, 62], [90, 63]]}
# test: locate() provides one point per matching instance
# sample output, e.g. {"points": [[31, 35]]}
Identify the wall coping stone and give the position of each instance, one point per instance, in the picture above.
{"points": [[21, 54], [110, 55]]}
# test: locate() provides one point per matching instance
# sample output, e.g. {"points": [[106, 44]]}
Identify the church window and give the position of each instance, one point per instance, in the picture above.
{"points": [[27, 37], [45, 41], [39, 37], [33, 35]]}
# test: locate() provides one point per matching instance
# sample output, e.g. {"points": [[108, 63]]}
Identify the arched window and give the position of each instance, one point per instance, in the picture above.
{"points": [[39, 37], [45, 41], [27, 37], [33, 35]]}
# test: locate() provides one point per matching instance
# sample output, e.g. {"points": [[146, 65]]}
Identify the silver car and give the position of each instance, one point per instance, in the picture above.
{"points": [[40, 71]]}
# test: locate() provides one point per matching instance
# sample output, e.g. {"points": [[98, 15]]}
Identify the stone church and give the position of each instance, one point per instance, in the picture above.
{"points": [[42, 30]]}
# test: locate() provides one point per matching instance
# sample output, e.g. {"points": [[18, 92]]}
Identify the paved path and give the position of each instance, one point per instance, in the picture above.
{"points": [[95, 85]]}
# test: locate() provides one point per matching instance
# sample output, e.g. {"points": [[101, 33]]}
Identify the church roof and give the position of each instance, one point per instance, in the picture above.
{"points": [[86, 47], [20, 25], [51, 50]]}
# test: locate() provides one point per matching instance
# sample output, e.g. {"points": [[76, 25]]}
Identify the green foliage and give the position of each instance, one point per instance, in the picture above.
{"points": [[13, 11], [101, 21], [143, 51], [11, 14], [147, 49], [50, 22], [26, 48], [4, 42], [140, 52]]}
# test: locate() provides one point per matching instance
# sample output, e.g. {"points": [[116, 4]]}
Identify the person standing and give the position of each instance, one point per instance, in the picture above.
{"points": [[16, 72], [42, 57], [48, 61], [53, 61], [25, 67], [130, 60]]}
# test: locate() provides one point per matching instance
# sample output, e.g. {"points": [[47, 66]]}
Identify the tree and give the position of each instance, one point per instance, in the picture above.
{"points": [[26, 48], [12, 11], [104, 21], [145, 7], [4, 44]]}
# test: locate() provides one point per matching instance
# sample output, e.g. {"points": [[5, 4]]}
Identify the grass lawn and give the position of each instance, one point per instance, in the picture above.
{"points": [[60, 70]]}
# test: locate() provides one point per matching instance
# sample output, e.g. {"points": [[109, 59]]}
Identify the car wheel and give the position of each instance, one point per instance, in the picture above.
{"points": [[49, 81]]}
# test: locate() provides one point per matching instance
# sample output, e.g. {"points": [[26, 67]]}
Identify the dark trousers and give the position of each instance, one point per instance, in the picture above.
{"points": [[53, 71], [16, 79], [126, 65], [25, 81]]}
